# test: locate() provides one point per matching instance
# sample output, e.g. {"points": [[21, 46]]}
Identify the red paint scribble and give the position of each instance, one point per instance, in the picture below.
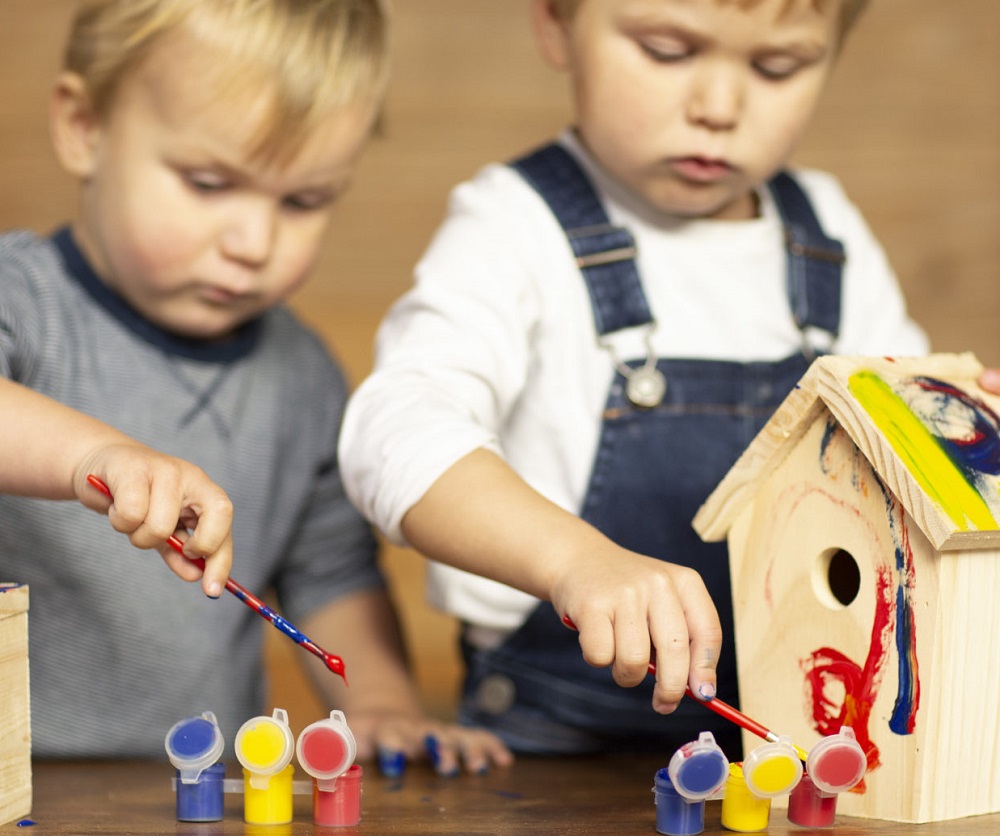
{"points": [[825, 666]]}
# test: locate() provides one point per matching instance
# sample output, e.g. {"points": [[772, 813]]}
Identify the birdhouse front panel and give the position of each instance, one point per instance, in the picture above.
{"points": [[831, 617]]}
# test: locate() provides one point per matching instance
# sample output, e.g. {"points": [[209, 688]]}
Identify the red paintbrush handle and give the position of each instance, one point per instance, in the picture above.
{"points": [[721, 708]]}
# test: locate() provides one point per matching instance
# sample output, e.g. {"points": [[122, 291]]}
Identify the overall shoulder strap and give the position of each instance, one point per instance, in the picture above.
{"points": [[815, 262], [604, 253]]}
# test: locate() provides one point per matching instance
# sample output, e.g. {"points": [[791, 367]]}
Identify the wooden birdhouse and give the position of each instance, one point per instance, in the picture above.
{"points": [[864, 546], [15, 723]]}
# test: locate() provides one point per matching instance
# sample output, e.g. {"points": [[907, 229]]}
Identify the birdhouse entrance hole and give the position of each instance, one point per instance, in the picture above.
{"points": [[836, 578]]}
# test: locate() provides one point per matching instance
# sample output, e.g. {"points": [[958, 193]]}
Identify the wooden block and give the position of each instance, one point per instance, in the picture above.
{"points": [[15, 719]]}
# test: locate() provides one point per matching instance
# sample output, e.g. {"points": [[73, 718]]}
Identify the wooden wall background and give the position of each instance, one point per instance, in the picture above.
{"points": [[911, 124]]}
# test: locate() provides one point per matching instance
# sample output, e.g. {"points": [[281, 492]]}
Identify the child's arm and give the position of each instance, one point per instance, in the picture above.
{"points": [[480, 516], [381, 703], [50, 449]]}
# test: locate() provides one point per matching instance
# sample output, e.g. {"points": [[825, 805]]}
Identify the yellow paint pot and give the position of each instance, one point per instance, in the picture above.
{"points": [[264, 746], [741, 809], [271, 805], [772, 769]]}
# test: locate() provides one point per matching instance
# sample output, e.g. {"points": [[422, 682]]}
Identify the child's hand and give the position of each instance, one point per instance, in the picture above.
{"points": [[394, 739], [156, 496], [990, 380], [482, 517], [626, 606]]}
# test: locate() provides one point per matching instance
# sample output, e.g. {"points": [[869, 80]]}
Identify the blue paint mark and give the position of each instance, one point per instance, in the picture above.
{"points": [[433, 749], [977, 446], [903, 717], [391, 763], [829, 433], [904, 713]]}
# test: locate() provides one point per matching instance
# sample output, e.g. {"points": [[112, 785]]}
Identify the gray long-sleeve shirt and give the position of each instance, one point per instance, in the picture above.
{"points": [[120, 649]]}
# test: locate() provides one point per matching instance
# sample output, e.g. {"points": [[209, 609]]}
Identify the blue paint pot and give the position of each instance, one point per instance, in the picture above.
{"points": [[204, 800], [194, 746], [675, 815]]}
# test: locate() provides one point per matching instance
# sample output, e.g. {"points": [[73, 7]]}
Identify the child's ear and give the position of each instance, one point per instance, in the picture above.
{"points": [[551, 32], [73, 125]]}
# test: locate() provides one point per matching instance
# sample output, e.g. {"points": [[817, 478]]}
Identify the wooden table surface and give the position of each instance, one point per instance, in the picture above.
{"points": [[535, 796]]}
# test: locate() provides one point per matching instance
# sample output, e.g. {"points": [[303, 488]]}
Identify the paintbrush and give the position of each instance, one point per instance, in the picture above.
{"points": [[724, 709], [334, 663]]}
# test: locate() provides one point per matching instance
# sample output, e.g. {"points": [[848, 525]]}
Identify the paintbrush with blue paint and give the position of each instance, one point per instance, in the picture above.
{"points": [[334, 663]]}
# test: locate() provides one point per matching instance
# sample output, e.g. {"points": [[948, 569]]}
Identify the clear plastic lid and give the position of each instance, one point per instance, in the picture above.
{"points": [[264, 745], [326, 749], [772, 769], [194, 744], [837, 762], [698, 769]]}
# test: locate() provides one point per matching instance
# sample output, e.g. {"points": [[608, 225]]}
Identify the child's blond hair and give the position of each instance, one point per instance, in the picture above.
{"points": [[310, 57], [850, 10]]}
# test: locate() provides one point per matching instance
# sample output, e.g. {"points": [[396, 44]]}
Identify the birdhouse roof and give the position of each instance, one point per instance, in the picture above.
{"points": [[925, 426]]}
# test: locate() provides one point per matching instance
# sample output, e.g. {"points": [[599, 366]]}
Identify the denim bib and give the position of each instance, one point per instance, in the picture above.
{"points": [[667, 439]]}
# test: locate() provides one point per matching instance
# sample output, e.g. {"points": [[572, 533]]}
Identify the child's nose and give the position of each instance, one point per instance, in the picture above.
{"points": [[249, 232], [716, 98]]}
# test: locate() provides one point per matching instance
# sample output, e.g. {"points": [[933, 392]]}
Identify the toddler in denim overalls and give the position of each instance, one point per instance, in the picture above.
{"points": [[595, 334]]}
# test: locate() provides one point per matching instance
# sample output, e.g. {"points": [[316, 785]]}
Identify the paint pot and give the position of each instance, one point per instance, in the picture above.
{"points": [[772, 769], [808, 806], [675, 815], [698, 769], [340, 807], [326, 751], [743, 811], [264, 746], [835, 764], [194, 746]]}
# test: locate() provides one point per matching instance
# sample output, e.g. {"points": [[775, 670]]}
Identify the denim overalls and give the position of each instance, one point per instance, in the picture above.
{"points": [[655, 465]]}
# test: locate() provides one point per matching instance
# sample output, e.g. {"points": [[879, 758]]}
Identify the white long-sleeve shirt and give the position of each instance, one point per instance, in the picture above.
{"points": [[495, 346]]}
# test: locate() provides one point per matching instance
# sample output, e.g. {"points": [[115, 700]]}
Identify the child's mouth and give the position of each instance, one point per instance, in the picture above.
{"points": [[701, 169]]}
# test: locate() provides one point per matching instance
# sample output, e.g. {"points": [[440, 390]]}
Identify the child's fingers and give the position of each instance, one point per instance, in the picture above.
{"points": [[442, 752], [705, 632], [211, 538], [669, 633], [451, 747], [481, 749], [597, 638], [990, 380], [178, 564], [448, 747], [153, 506], [632, 644]]}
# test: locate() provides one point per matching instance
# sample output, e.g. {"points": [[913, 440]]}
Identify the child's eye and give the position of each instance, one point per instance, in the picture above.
{"points": [[666, 51], [308, 202], [777, 67], [205, 182]]}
